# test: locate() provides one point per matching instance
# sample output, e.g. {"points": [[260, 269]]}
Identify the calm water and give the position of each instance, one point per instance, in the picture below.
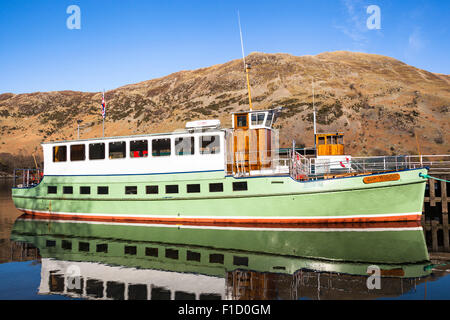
{"points": [[51, 259]]}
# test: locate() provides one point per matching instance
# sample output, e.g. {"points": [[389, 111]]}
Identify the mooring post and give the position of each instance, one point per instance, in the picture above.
{"points": [[432, 192], [434, 237], [444, 205]]}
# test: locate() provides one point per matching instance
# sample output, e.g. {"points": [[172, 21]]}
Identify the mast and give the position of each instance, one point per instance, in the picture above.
{"points": [[314, 113], [247, 67]]}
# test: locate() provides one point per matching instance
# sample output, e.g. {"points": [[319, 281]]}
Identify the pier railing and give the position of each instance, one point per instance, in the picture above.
{"points": [[26, 178]]}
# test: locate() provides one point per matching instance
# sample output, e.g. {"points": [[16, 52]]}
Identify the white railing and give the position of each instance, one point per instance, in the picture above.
{"points": [[437, 164], [26, 178], [301, 167]]}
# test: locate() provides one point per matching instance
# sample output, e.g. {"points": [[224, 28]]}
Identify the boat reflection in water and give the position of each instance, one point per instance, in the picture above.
{"points": [[110, 260]]}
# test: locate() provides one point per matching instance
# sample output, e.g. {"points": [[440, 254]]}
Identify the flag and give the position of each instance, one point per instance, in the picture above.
{"points": [[103, 106]]}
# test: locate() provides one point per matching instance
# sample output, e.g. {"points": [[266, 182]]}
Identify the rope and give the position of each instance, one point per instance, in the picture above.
{"points": [[425, 176], [432, 266]]}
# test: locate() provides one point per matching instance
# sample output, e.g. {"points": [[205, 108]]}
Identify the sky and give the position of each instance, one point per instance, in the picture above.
{"points": [[45, 45]]}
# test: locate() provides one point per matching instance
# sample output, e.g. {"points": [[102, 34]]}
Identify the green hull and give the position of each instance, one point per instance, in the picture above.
{"points": [[271, 199]]}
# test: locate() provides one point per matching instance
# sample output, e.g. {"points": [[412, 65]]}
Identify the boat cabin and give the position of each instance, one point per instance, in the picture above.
{"points": [[249, 147], [253, 143], [186, 151], [329, 144]]}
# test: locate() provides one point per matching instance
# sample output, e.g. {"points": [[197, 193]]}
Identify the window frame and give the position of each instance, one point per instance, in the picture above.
{"points": [[161, 155], [131, 190], [124, 153], [147, 188], [189, 187], [72, 152], [172, 185], [144, 152], [216, 184], [192, 138], [64, 147], [240, 183], [90, 152], [200, 145]]}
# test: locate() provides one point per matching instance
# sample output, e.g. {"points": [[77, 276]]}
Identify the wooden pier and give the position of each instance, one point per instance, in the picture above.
{"points": [[435, 214]]}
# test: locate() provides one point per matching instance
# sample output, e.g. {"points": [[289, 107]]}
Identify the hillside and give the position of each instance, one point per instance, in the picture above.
{"points": [[378, 102]]}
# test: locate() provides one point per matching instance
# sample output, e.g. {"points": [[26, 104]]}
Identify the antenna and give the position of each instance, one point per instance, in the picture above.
{"points": [[242, 41], [246, 66]]}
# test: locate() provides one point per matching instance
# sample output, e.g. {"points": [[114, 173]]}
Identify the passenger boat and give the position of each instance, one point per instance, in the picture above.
{"points": [[210, 175]]}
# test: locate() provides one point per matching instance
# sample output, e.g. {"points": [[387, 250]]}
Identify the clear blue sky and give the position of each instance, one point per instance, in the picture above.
{"points": [[123, 42]]}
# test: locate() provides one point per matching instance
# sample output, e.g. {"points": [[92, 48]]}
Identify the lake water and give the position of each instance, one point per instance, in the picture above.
{"points": [[66, 259]]}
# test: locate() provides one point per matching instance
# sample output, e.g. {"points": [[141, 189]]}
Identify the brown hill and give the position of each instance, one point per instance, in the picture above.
{"points": [[378, 102]]}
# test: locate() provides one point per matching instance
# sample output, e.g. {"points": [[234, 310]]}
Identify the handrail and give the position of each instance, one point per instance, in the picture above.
{"points": [[26, 178], [301, 167]]}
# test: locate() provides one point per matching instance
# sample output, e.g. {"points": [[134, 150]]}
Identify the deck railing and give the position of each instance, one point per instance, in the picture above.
{"points": [[437, 164], [26, 178], [301, 167]]}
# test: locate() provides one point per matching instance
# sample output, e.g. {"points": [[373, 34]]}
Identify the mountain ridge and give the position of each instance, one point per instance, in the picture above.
{"points": [[380, 103]]}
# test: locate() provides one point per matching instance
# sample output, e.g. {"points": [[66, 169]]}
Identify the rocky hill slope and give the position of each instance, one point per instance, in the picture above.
{"points": [[378, 102]]}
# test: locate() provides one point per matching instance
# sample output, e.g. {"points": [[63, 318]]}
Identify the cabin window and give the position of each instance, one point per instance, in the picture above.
{"points": [[239, 186], [103, 247], [131, 250], [269, 119], [85, 190], [94, 288], [193, 188], [184, 146], [181, 295], [52, 189], [59, 153], [117, 150], [115, 290], [102, 190], [152, 252], [68, 190], [151, 189], [210, 296], [137, 292], [240, 261], [50, 243], [66, 245], [173, 188], [77, 152], [321, 140], [340, 139], [192, 256], [139, 149], [56, 282], [160, 293], [171, 253], [83, 246], [130, 189], [258, 118], [209, 144], [241, 121], [96, 151], [216, 258], [329, 140], [160, 147], [216, 187]]}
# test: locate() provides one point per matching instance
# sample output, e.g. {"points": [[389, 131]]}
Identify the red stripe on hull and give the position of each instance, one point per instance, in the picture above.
{"points": [[413, 219]]}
